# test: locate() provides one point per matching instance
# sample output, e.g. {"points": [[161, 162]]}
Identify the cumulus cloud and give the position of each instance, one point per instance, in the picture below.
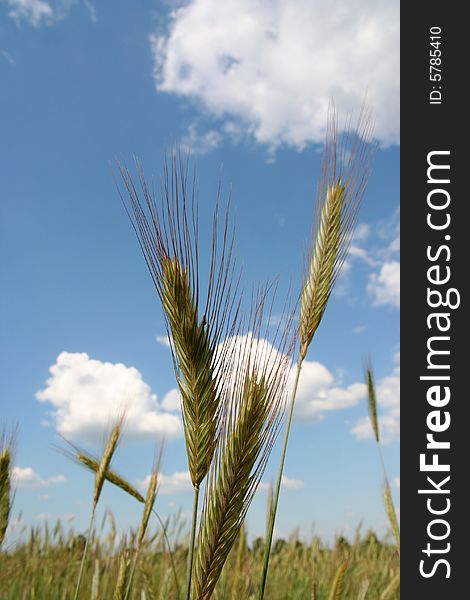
{"points": [[388, 400], [26, 477], [384, 286], [172, 400], [87, 394], [319, 393], [177, 483], [269, 69]]}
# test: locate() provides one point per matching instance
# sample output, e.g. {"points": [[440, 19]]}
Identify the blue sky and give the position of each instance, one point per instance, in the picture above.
{"points": [[247, 87]]}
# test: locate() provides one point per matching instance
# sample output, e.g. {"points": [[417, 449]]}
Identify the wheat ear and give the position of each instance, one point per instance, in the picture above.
{"points": [[345, 169], [6, 487], [337, 587], [120, 591], [167, 230], [255, 401], [110, 475], [372, 402]]}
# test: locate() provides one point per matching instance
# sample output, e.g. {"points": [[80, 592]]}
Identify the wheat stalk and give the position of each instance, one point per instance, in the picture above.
{"points": [[391, 514], [255, 400], [388, 500], [345, 169], [148, 509]]}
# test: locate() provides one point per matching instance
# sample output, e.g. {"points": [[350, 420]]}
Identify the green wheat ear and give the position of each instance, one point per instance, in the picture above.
{"points": [[6, 486], [337, 587], [372, 402], [90, 463], [166, 226], [345, 170], [255, 398], [320, 279]]}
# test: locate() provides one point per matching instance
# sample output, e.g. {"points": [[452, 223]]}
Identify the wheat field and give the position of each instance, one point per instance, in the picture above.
{"points": [[46, 565]]}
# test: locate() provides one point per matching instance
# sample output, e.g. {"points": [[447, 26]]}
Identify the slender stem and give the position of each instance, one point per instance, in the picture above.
{"points": [[137, 554], [191, 545], [165, 535], [131, 576], [85, 552], [382, 462], [270, 529]]}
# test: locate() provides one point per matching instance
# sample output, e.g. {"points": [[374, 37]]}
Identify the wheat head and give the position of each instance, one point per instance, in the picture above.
{"points": [[92, 464], [7, 443], [106, 458], [345, 170], [255, 396], [372, 402], [167, 230]]}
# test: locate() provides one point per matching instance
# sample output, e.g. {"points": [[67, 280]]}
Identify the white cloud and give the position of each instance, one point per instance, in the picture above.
{"points": [[388, 401], [270, 68], [291, 484], [87, 394], [384, 287], [200, 142], [362, 232], [43, 516], [8, 57], [177, 483], [39, 13], [163, 341], [26, 477], [91, 11], [359, 329], [318, 392], [286, 482], [34, 12], [396, 482], [172, 400]]}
